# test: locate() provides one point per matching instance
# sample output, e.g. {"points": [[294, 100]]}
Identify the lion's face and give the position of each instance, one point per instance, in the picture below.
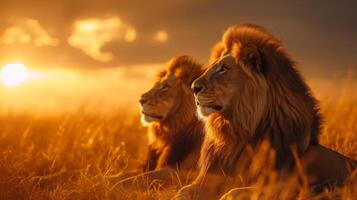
{"points": [[160, 101], [216, 88]]}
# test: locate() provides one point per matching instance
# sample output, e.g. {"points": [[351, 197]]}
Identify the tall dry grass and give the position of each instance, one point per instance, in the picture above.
{"points": [[79, 154]]}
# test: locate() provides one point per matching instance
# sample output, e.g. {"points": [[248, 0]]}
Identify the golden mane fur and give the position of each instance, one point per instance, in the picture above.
{"points": [[183, 68], [276, 103], [180, 134]]}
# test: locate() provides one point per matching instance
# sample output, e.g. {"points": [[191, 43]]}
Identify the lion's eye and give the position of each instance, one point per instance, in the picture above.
{"points": [[222, 69], [163, 87]]}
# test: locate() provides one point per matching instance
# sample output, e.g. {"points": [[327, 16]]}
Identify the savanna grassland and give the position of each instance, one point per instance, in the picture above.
{"points": [[77, 147]]}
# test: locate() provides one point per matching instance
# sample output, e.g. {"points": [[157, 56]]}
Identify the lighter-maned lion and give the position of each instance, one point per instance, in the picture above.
{"points": [[168, 109], [250, 93]]}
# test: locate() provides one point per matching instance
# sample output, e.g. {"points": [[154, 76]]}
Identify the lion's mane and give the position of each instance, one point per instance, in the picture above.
{"points": [[289, 113]]}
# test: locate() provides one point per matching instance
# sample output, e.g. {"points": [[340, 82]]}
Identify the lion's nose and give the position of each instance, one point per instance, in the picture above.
{"points": [[142, 100], [197, 86], [197, 89]]}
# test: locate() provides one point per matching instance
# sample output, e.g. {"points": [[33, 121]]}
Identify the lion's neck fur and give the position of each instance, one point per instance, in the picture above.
{"points": [[181, 121]]}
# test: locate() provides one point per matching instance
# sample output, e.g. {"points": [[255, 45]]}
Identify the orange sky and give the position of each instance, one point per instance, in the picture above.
{"points": [[91, 33]]}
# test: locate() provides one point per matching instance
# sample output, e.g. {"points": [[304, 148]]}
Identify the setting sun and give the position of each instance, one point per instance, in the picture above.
{"points": [[14, 74]]}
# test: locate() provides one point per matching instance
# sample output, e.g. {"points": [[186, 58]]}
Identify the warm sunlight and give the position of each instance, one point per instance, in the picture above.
{"points": [[204, 100], [14, 74]]}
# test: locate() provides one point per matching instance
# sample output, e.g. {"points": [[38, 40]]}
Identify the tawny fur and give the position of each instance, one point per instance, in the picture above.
{"points": [[274, 103], [173, 141]]}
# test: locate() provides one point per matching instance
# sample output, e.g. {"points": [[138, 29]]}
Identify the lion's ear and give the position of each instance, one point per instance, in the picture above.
{"points": [[251, 58]]}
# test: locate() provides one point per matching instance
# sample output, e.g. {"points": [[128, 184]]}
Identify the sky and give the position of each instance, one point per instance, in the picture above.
{"points": [[320, 34]]}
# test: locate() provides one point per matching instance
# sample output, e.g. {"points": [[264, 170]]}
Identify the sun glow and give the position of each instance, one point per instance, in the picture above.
{"points": [[14, 74]]}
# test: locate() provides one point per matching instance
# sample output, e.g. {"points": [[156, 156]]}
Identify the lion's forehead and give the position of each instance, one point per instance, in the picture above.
{"points": [[168, 79], [225, 58]]}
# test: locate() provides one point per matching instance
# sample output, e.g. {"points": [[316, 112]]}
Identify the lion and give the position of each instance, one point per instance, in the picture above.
{"points": [[168, 109], [250, 93]]}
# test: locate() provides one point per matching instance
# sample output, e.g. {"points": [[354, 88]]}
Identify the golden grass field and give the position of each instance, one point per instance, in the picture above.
{"points": [[78, 153]]}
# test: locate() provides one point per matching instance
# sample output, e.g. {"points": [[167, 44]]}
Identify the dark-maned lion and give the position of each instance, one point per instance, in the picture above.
{"points": [[252, 92], [168, 110]]}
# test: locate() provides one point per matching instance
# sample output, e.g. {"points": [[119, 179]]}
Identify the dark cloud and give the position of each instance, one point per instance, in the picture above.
{"points": [[320, 34]]}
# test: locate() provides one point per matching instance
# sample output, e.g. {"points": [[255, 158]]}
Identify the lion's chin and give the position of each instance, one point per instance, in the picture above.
{"points": [[147, 119], [205, 111]]}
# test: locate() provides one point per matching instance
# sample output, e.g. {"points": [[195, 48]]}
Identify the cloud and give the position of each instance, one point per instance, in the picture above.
{"points": [[90, 35], [28, 31], [41, 37], [161, 36], [15, 35]]}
